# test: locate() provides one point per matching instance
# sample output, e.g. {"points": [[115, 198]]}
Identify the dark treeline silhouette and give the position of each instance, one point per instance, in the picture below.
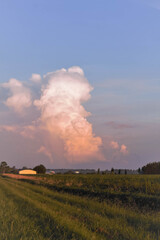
{"points": [[151, 168], [40, 169], [4, 168]]}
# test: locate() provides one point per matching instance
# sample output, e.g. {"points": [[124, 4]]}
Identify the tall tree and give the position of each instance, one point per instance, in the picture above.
{"points": [[112, 170], [40, 169], [3, 167]]}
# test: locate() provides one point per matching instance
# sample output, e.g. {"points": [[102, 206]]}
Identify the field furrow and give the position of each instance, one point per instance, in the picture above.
{"points": [[60, 215]]}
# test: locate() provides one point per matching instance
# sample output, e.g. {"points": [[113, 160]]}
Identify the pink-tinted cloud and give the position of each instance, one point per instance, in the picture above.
{"points": [[8, 128], [60, 129], [120, 148], [46, 152], [116, 125], [20, 96], [63, 115], [36, 78], [114, 145], [124, 149], [28, 131]]}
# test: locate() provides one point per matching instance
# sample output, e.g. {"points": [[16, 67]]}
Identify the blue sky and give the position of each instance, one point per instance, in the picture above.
{"points": [[116, 43], [109, 39]]}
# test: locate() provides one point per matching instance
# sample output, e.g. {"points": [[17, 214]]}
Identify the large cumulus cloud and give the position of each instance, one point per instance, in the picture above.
{"points": [[58, 126], [62, 113]]}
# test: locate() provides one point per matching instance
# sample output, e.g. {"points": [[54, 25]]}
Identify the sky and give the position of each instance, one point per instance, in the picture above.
{"points": [[80, 83]]}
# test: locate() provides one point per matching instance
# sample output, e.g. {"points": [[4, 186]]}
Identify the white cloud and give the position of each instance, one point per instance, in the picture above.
{"points": [[20, 95], [60, 127], [35, 78], [62, 113]]}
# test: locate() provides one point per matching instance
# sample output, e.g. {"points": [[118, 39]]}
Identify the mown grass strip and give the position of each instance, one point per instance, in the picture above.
{"points": [[103, 209], [116, 225], [62, 226], [93, 221], [13, 224]]}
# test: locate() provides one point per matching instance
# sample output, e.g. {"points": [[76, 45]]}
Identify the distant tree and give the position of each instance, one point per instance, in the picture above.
{"points": [[13, 170], [98, 171], [119, 171], [69, 172], [24, 168], [139, 170], [151, 168], [112, 170], [40, 169], [125, 172], [3, 167]]}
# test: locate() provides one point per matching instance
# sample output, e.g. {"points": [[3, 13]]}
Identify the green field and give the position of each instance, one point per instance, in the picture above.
{"points": [[80, 207]]}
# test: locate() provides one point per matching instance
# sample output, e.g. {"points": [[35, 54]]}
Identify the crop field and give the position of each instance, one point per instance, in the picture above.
{"points": [[80, 207]]}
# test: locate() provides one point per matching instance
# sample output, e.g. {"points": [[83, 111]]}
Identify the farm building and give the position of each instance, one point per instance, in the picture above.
{"points": [[50, 172], [27, 171]]}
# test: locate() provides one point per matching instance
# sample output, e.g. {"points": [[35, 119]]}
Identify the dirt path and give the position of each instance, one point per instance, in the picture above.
{"points": [[17, 176]]}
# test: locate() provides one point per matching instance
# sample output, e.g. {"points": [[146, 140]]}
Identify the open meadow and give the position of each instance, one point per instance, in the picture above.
{"points": [[118, 207]]}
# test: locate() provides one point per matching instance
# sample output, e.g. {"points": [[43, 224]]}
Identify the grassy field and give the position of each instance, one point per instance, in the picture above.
{"points": [[80, 207]]}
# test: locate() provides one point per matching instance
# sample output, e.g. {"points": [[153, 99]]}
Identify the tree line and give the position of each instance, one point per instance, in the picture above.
{"points": [[151, 168], [5, 168]]}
